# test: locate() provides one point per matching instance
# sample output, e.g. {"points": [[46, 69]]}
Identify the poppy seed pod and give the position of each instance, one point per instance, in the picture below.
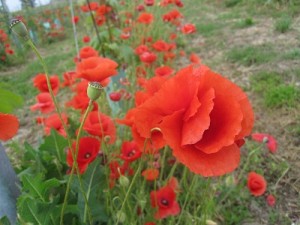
{"points": [[94, 90], [19, 28]]}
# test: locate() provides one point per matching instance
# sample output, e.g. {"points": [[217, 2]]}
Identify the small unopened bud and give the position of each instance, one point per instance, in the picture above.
{"points": [[94, 90], [265, 140], [19, 28], [210, 222], [124, 181], [121, 217]]}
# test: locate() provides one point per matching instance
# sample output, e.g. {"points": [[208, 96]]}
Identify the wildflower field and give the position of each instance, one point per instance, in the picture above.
{"points": [[150, 112]]}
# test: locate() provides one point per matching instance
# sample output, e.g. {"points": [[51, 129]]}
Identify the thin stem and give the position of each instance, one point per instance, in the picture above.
{"points": [[74, 28], [75, 166], [50, 89], [129, 189], [95, 26], [187, 197]]}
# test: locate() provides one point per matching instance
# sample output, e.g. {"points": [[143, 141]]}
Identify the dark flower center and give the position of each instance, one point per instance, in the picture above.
{"points": [[131, 153], [164, 202], [87, 155]]}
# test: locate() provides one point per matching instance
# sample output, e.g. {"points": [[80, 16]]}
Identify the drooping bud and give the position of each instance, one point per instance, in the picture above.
{"points": [[94, 90], [19, 28], [121, 217], [124, 181]]}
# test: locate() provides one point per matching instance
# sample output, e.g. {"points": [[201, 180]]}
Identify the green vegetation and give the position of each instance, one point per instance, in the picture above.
{"points": [[250, 55], [244, 23], [283, 95], [283, 24]]}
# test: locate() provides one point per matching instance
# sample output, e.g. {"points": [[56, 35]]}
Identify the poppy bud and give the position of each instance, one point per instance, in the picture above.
{"points": [[19, 28], [210, 222], [94, 90], [124, 182], [121, 216]]}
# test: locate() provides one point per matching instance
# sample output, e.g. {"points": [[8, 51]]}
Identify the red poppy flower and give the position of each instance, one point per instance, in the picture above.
{"points": [[256, 184], [87, 52], [115, 96], [103, 9], [141, 49], [86, 39], [96, 69], [270, 141], [150, 223], [75, 19], [100, 20], [150, 174], [81, 87], [164, 200], [163, 71], [178, 3], [87, 152], [101, 125], [145, 18], [161, 46], [9, 125], [45, 103], [200, 115], [188, 28], [81, 101], [69, 78], [195, 59], [40, 83], [148, 57], [140, 8], [9, 51], [271, 200], [130, 151], [172, 15], [93, 6], [53, 122], [149, 2]]}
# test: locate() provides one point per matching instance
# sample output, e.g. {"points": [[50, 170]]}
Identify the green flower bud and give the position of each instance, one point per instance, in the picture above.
{"points": [[19, 28], [124, 181], [121, 217], [94, 90]]}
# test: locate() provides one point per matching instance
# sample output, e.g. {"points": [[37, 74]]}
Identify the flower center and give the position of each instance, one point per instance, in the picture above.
{"points": [[131, 153], [87, 155], [164, 202]]}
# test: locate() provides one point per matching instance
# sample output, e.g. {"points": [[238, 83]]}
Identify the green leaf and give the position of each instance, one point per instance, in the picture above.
{"points": [[92, 182], [9, 101], [37, 187], [55, 144], [32, 157], [36, 212]]}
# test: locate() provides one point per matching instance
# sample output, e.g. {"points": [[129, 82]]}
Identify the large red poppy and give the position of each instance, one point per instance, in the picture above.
{"points": [[145, 18], [96, 69], [87, 152], [9, 125], [101, 125], [200, 115]]}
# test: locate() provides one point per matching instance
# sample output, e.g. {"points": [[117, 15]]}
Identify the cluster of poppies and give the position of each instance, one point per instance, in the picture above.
{"points": [[200, 115], [5, 48]]}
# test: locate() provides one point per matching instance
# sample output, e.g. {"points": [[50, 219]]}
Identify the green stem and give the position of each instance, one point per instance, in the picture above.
{"points": [[75, 167], [190, 190], [50, 88]]}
